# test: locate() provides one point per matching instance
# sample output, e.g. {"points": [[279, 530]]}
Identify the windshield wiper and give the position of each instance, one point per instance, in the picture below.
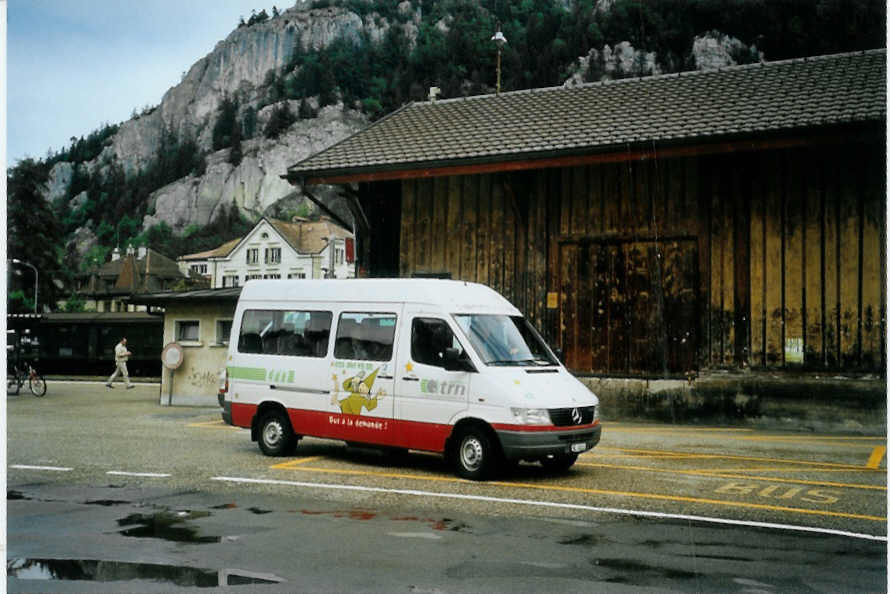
{"points": [[520, 362], [536, 361]]}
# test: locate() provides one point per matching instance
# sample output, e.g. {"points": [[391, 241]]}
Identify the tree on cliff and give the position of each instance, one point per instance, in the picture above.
{"points": [[34, 235], [226, 121]]}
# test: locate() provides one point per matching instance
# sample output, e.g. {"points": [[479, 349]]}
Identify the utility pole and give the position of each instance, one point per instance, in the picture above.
{"points": [[499, 40]]}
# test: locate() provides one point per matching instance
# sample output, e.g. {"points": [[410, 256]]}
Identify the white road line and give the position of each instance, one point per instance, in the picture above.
{"points": [[145, 474], [29, 467], [426, 535], [610, 510], [51, 382]]}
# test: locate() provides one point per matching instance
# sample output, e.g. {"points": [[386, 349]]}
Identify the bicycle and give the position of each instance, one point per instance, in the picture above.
{"points": [[17, 378]]}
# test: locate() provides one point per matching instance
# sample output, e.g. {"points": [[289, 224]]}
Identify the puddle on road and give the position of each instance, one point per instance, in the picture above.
{"points": [[16, 496], [107, 502], [582, 539], [117, 571], [258, 511], [166, 526], [445, 524], [353, 514], [637, 572]]}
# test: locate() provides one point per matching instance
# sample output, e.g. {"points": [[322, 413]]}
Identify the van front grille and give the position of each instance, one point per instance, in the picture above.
{"points": [[566, 417]]}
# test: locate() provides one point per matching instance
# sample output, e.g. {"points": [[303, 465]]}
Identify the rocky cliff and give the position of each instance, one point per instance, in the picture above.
{"points": [[238, 68]]}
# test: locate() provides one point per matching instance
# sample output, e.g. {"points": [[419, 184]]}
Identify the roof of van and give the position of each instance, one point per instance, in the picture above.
{"points": [[451, 295]]}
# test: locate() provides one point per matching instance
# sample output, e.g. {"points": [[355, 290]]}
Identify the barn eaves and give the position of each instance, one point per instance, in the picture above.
{"points": [[773, 104]]}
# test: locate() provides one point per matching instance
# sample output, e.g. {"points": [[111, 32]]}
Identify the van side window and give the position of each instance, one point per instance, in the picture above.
{"points": [[365, 336], [285, 332], [429, 339]]}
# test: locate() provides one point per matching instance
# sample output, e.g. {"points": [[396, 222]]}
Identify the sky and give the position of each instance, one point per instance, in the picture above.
{"points": [[74, 65]]}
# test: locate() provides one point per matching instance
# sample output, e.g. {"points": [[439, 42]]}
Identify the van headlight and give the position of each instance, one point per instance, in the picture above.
{"points": [[596, 413], [531, 416]]}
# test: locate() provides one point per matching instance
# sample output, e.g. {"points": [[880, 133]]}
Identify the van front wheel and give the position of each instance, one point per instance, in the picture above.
{"points": [[276, 437], [474, 456]]}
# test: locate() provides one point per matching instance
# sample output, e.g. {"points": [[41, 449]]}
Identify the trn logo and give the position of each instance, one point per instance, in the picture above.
{"points": [[446, 388]]}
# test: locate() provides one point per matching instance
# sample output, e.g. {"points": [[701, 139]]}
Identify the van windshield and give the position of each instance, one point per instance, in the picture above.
{"points": [[505, 340]]}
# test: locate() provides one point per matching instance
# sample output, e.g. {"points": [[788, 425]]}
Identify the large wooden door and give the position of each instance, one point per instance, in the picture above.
{"points": [[629, 307]]}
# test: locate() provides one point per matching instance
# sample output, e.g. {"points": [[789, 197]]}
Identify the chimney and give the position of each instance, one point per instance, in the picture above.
{"points": [[434, 92], [130, 250], [141, 252], [116, 254]]}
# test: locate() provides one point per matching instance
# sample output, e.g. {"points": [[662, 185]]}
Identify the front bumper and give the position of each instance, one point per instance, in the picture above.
{"points": [[533, 445]]}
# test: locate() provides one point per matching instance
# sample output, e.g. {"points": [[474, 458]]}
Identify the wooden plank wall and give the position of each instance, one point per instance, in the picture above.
{"points": [[817, 259], [789, 245]]}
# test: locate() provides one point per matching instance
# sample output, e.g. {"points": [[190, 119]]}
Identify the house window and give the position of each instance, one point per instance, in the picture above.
{"points": [[253, 255], [199, 268], [273, 255], [272, 275], [253, 276], [230, 280], [188, 330], [299, 274], [339, 254], [223, 330]]}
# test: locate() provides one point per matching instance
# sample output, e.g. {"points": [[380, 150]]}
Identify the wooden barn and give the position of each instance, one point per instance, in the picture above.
{"points": [[650, 227]]}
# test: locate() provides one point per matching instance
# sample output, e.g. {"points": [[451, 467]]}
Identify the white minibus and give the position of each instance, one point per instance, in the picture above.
{"points": [[421, 364]]}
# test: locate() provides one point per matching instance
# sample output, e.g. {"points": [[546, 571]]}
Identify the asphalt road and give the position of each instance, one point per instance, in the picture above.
{"points": [[107, 491]]}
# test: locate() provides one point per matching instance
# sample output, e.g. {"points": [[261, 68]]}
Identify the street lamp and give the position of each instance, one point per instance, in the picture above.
{"points": [[17, 261], [499, 40]]}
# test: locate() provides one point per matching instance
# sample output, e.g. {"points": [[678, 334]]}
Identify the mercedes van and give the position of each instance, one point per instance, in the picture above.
{"points": [[422, 364]]}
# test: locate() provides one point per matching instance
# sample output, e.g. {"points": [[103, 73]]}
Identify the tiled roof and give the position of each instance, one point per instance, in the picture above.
{"points": [[131, 274], [687, 107], [218, 252], [309, 237]]}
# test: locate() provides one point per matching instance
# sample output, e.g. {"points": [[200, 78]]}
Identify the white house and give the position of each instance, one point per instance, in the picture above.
{"points": [[278, 249]]}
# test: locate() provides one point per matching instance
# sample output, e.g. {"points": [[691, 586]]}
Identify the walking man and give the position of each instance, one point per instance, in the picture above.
{"points": [[121, 354]]}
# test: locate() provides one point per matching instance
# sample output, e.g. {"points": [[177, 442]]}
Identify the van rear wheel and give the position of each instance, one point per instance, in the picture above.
{"points": [[475, 454], [276, 436]]}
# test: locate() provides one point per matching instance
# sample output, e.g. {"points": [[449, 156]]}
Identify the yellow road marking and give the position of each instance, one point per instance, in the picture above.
{"points": [[626, 428], [877, 455], [297, 462], [789, 469], [724, 474], [587, 491], [212, 425], [811, 441], [754, 459], [663, 456]]}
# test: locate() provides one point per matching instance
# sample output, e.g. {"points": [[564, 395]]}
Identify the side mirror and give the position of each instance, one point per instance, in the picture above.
{"points": [[559, 355], [454, 361]]}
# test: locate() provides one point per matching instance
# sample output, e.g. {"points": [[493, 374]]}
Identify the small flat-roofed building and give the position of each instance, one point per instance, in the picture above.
{"points": [[200, 321]]}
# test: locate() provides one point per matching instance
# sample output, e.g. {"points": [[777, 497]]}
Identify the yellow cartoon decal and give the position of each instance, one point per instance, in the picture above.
{"points": [[358, 393]]}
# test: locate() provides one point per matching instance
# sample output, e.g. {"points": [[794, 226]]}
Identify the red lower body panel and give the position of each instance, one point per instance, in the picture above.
{"points": [[374, 430], [358, 428]]}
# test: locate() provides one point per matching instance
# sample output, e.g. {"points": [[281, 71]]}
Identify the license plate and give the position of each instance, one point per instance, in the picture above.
{"points": [[579, 447]]}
